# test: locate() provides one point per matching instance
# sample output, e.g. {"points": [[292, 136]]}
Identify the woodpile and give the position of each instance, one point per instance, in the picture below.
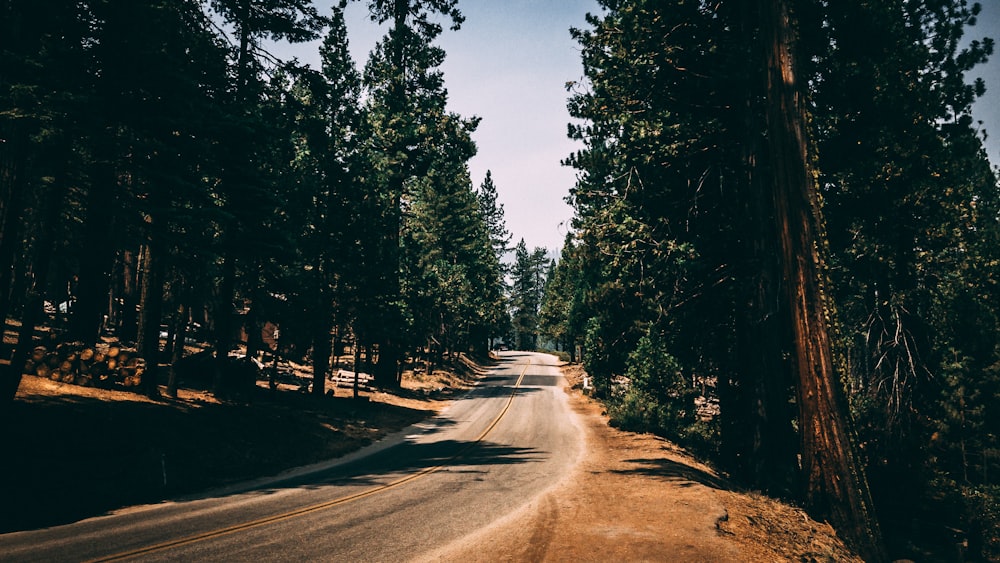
{"points": [[345, 379], [106, 365]]}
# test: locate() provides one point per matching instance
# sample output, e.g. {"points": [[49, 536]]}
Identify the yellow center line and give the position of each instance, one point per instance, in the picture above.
{"points": [[323, 505]]}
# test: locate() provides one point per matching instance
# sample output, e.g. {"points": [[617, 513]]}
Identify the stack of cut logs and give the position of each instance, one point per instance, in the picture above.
{"points": [[105, 365]]}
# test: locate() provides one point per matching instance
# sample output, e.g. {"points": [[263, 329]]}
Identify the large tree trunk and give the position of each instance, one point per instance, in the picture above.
{"points": [[25, 336], [10, 378], [760, 444], [322, 350], [223, 321], [95, 279], [150, 311], [836, 488], [12, 189], [16, 41], [322, 336], [177, 347]]}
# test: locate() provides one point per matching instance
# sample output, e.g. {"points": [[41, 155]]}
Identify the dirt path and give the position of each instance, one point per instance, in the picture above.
{"points": [[636, 497]]}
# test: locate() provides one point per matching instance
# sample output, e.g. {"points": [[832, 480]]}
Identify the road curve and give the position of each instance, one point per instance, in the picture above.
{"points": [[488, 454]]}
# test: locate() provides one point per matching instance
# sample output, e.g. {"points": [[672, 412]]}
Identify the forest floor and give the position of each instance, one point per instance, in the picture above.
{"points": [[73, 452], [77, 452]]}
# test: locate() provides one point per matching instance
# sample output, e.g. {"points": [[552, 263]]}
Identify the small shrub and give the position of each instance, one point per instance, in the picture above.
{"points": [[660, 399], [982, 509]]}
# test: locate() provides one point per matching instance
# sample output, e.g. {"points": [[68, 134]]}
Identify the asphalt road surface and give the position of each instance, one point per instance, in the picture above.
{"points": [[508, 440]]}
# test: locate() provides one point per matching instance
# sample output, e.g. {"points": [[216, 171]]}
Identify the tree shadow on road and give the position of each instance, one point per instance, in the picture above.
{"points": [[71, 457], [411, 458]]}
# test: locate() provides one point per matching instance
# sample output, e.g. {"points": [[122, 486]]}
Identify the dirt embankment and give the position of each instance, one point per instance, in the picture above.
{"points": [[75, 452], [72, 452], [636, 497]]}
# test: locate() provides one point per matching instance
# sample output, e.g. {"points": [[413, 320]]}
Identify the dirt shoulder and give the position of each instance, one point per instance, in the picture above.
{"points": [[636, 497], [73, 452], [76, 452]]}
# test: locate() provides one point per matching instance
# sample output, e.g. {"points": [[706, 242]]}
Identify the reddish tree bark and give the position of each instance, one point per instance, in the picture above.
{"points": [[835, 484]]}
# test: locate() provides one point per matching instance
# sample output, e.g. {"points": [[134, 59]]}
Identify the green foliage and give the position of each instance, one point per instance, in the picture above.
{"points": [[447, 255], [668, 234], [437, 271], [558, 317], [982, 507], [494, 288], [911, 215], [245, 184], [657, 396], [416, 158], [529, 272]]}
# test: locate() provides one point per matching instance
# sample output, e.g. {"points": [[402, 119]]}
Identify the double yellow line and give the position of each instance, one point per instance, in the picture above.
{"points": [[323, 505]]}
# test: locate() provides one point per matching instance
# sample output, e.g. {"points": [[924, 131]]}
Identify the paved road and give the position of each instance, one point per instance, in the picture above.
{"points": [[488, 454]]}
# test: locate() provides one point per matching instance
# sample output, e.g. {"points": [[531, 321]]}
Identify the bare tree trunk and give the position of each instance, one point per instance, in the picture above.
{"points": [[322, 349], [369, 360], [253, 330], [337, 348], [836, 488], [10, 378], [12, 190], [150, 311], [95, 280], [177, 348], [128, 320], [223, 320], [25, 336], [357, 363], [15, 40]]}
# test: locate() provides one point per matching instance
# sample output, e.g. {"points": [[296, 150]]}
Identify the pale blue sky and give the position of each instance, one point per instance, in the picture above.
{"points": [[987, 108], [509, 64]]}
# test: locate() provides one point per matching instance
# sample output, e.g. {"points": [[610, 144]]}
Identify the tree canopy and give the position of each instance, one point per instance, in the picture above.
{"points": [[681, 278], [783, 253], [177, 175]]}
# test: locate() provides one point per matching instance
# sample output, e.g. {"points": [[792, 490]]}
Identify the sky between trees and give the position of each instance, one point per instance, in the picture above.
{"points": [[509, 64]]}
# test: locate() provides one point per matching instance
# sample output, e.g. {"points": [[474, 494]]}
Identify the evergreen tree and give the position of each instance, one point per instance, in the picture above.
{"points": [[494, 289], [559, 312], [42, 64], [528, 273], [675, 212], [327, 160], [140, 131], [493, 214], [675, 209], [911, 207], [248, 182], [405, 105]]}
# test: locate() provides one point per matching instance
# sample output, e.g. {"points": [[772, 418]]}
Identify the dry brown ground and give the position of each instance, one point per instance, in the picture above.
{"points": [[71, 452], [78, 452], [635, 497]]}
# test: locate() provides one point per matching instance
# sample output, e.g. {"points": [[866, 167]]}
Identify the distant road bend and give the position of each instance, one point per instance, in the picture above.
{"points": [[488, 454]]}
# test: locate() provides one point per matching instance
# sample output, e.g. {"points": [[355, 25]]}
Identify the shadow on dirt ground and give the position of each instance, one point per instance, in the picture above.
{"points": [[663, 468], [72, 453]]}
